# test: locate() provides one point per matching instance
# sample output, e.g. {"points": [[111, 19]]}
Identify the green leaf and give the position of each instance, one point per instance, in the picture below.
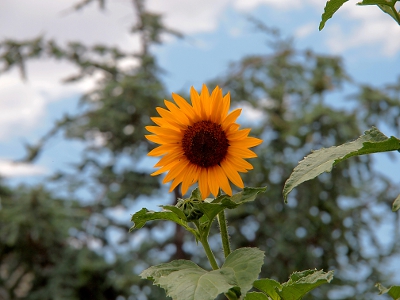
{"points": [[213, 208], [299, 284], [248, 194], [184, 280], [256, 296], [391, 11], [331, 7], [323, 160], [393, 291], [269, 287], [141, 217], [396, 204], [386, 6], [374, 2], [246, 264], [175, 210]]}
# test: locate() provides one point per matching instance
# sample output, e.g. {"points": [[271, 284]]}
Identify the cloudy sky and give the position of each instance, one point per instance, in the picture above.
{"points": [[217, 33]]}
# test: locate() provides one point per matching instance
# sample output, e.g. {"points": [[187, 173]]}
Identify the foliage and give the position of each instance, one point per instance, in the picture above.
{"points": [[322, 160], [387, 6]]}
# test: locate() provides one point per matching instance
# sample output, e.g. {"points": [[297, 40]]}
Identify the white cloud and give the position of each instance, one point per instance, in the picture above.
{"points": [[248, 5], [372, 28], [23, 104], [305, 30], [190, 16], [12, 169]]}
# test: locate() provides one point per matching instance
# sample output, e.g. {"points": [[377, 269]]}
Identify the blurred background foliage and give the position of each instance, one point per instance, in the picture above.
{"points": [[63, 247]]}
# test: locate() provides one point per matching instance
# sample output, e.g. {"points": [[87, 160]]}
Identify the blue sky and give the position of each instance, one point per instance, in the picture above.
{"points": [[217, 33]]}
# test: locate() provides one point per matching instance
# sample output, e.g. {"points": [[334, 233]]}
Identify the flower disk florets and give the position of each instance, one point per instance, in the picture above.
{"points": [[205, 144]]}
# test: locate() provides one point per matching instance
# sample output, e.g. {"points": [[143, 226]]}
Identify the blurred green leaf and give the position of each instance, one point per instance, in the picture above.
{"points": [[393, 291], [396, 204]]}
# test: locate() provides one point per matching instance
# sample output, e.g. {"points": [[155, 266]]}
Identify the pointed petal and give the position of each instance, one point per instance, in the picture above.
{"points": [[223, 180], [213, 181], [203, 183], [232, 174], [238, 135], [231, 118]]}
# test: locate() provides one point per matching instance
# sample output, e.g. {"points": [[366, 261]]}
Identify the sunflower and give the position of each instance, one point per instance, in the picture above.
{"points": [[201, 143]]}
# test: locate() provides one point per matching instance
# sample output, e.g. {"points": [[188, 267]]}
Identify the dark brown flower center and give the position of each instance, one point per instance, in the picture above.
{"points": [[205, 144]]}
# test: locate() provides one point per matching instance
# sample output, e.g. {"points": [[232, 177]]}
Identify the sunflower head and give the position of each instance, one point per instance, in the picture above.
{"points": [[201, 142]]}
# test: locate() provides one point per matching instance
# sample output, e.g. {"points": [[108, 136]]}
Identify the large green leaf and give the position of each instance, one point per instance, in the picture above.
{"points": [[184, 280], [299, 284], [393, 291], [246, 264], [324, 159], [331, 7]]}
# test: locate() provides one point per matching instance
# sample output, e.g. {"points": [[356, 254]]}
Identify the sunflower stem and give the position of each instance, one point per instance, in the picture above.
{"points": [[223, 227], [209, 253]]}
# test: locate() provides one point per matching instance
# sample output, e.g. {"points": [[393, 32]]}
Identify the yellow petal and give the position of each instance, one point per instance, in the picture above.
{"points": [[184, 105], [231, 118], [232, 174], [175, 171], [179, 114], [238, 135], [242, 152], [223, 180], [170, 157], [205, 102], [213, 181], [163, 149], [203, 183]]}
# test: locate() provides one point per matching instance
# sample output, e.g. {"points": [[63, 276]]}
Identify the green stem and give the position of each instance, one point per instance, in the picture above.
{"points": [[223, 227], [209, 253]]}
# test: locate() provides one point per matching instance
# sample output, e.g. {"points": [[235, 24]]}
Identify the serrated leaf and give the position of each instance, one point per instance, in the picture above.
{"points": [[248, 194], [142, 216], [391, 12], [386, 6], [299, 284], [393, 291], [373, 2], [212, 209], [323, 160], [246, 264], [256, 296], [269, 287], [331, 7], [184, 280], [396, 204], [175, 210]]}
